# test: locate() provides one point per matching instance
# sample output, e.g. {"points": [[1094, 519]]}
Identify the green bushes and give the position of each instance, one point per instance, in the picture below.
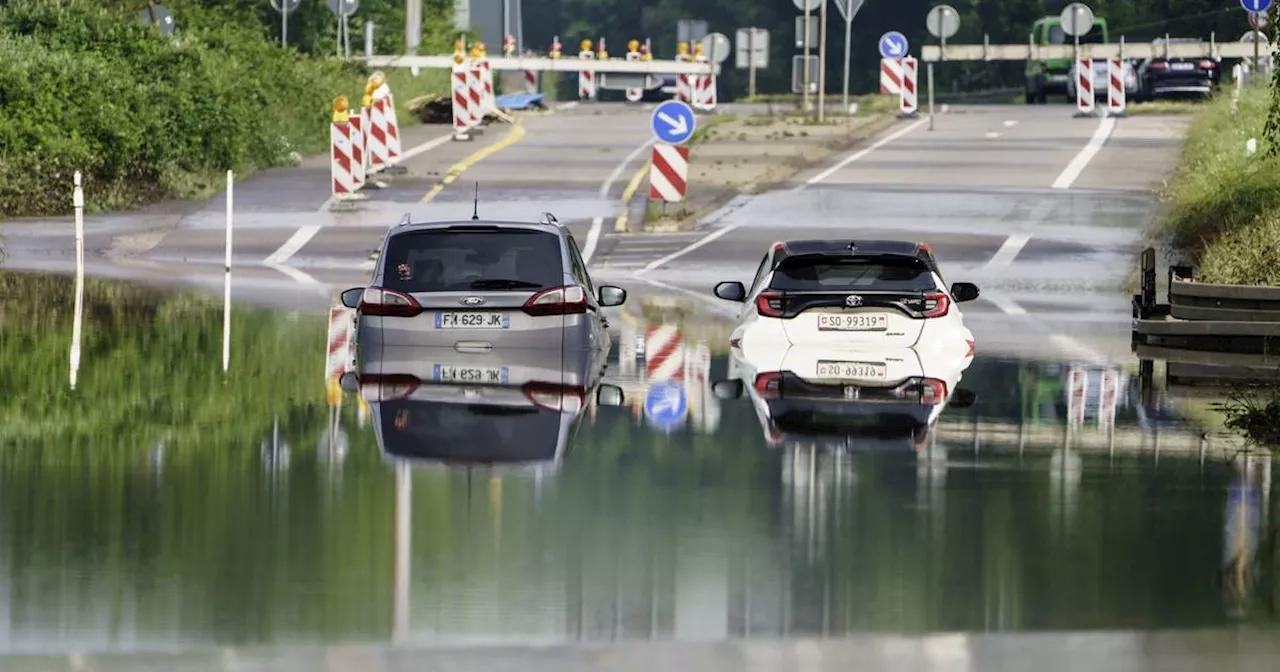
{"points": [[1224, 204], [145, 116]]}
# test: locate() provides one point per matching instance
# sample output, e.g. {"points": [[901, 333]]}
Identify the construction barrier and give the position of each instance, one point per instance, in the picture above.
{"points": [[684, 90], [586, 78], [342, 167], [338, 359], [633, 54], [908, 101], [891, 76], [1116, 101], [669, 173], [1084, 86]]}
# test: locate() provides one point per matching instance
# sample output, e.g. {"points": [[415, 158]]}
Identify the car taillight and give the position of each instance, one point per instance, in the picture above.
{"points": [[1207, 64], [377, 388], [936, 305], [932, 391], [388, 303], [560, 398], [1158, 65], [769, 304], [567, 300], [769, 384]]}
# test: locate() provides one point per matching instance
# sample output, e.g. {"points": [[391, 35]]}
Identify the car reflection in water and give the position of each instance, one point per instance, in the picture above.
{"points": [[515, 408], [882, 399]]}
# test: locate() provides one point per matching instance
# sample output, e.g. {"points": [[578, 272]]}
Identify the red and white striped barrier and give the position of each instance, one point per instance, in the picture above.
{"points": [[379, 152], [1084, 86], [486, 79], [586, 78], [704, 87], [907, 99], [475, 92], [531, 81], [338, 360], [1116, 101], [1108, 393], [684, 90], [664, 352], [462, 121], [358, 167], [890, 76], [341, 163], [669, 173], [633, 94], [1077, 383]]}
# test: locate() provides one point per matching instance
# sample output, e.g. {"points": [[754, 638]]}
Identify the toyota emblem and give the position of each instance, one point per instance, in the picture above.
{"points": [[853, 300], [472, 301]]}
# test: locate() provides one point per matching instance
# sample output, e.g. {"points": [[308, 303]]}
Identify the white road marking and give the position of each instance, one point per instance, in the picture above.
{"points": [[1010, 249], [1078, 164], [302, 277], [567, 106], [1006, 305], [1064, 342], [295, 243], [712, 302], [1010, 123], [992, 135], [597, 223], [856, 156]]}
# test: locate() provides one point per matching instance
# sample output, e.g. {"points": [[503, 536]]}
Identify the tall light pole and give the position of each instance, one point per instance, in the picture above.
{"points": [[822, 58]]}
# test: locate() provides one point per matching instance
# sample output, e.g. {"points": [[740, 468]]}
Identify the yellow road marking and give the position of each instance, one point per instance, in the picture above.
{"points": [[632, 186], [512, 137]]}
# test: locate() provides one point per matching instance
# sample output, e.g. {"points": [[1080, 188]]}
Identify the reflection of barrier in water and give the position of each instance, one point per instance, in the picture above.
{"points": [[666, 404], [338, 351], [226, 285], [78, 318], [1077, 383], [1248, 499]]}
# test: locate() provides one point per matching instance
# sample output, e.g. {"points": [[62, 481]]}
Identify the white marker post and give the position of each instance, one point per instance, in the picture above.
{"points": [[77, 199], [226, 287]]}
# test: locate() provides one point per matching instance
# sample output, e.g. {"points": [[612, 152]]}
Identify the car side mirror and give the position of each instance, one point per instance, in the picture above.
{"points": [[351, 297], [964, 291], [349, 382], [962, 398], [731, 291], [727, 389], [612, 296], [609, 395]]}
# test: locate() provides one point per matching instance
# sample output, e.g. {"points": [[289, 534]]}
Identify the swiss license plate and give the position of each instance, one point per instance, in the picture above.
{"points": [[470, 320], [853, 321], [852, 370], [481, 375], [1182, 66]]}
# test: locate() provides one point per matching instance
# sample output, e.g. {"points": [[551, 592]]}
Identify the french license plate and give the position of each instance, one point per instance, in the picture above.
{"points": [[853, 322], [480, 375], [470, 320], [853, 370], [1182, 66]]}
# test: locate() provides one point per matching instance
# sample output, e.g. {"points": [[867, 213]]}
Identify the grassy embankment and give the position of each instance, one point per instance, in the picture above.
{"points": [[145, 116]]}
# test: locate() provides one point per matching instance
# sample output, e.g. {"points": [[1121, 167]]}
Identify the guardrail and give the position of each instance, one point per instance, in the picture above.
{"points": [[1207, 332]]}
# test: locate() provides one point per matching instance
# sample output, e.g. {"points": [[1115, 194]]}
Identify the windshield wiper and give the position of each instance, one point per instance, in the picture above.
{"points": [[505, 284]]}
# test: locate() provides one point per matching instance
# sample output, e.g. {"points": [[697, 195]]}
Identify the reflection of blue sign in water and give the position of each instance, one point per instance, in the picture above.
{"points": [[893, 45], [666, 404], [673, 122]]}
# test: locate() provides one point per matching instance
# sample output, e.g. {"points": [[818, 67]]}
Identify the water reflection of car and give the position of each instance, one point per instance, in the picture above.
{"points": [[856, 398], [516, 407]]}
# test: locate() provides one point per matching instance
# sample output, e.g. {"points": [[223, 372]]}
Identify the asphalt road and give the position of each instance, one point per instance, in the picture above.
{"points": [[1044, 211]]}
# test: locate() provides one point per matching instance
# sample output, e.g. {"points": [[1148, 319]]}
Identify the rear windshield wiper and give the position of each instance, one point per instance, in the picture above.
{"points": [[505, 284]]}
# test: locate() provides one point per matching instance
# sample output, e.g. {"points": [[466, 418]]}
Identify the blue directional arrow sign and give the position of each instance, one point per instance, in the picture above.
{"points": [[666, 404], [1255, 5], [894, 44], [673, 122]]}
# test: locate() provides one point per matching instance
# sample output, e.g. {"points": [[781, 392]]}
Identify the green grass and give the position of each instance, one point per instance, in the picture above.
{"points": [[1164, 107], [1224, 206]]}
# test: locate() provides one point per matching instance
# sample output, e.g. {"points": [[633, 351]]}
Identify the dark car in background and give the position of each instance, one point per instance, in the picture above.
{"points": [[1175, 77]]}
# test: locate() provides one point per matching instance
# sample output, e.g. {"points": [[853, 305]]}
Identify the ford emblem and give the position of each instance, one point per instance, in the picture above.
{"points": [[853, 300], [472, 301]]}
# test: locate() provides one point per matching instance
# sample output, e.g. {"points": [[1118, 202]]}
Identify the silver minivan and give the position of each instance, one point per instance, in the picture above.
{"points": [[478, 286]]}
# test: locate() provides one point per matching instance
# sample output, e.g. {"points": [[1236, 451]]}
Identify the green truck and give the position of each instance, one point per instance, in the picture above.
{"points": [[1050, 76]]}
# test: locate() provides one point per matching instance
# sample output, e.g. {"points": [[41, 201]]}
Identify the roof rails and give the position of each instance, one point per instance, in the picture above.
{"points": [[549, 218], [405, 220]]}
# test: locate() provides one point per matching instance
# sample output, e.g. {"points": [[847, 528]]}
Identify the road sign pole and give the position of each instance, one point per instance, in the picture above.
{"points": [[751, 62], [284, 23], [805, 89], [1256, 62], [822, 59], [848, 34], [929, 75]]}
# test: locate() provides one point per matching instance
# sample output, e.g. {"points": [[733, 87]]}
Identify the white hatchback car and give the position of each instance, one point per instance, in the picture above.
{"points": [[848, 293]]}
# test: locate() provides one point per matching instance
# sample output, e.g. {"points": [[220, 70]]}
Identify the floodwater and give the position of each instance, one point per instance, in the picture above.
{"points": [[163, 505]]}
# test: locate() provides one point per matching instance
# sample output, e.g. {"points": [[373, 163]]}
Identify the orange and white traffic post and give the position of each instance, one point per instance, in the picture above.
{"points": [[684, 91], [633, 54], [489, 101], [341, 155], [586, 77], [475, 88], [461, 93]]}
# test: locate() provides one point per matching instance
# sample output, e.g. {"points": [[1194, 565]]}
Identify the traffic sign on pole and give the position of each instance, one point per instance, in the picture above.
{"points": [[1076, 19], [1255, 5], [1259, 20], [797, 73], [666, 404], [943, 21], [893, 45], [800, 4], [800, 31], [673, 122]]}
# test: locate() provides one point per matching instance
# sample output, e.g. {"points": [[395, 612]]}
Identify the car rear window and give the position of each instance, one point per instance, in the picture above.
{"points": [[444, 261], [820, 274]]}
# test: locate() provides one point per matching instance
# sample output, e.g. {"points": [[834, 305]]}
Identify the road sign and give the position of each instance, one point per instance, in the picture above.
{"points": [[943, 21], [797, 74], [285, 6], [1259, 20], [690, 30], [1248, 37], [893, 45], [716, 47], [813, 32], [1076, 19], [849, 8], [164, 19], [343, 7], [752, 48], [813, 4], [673, 122], [666, 404], [1255, 5]]}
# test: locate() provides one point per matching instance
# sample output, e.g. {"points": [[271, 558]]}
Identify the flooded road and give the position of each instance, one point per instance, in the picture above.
{"points": [[165, 506]]}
